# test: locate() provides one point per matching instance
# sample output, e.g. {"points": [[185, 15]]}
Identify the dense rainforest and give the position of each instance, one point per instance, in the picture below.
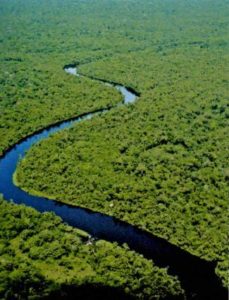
{"points": [[40, 257], [160, 163]]}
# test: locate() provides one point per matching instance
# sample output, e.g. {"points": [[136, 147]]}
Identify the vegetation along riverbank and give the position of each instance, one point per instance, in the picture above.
{"points": [[160, 164]]}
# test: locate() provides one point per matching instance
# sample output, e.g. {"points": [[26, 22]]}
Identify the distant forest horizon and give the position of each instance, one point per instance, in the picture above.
{"points": [[159, 164]]}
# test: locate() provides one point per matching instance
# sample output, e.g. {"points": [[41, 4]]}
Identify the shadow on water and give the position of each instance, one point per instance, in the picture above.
{"points": [[197, 276], [94, 292], [88, 292]]}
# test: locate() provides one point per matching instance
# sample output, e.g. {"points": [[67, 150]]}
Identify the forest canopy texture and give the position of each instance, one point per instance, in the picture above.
{"points": [[160, 164]]}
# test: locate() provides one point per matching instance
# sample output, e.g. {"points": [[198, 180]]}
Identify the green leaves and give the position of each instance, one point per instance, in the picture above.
{"points": [[160, 164], [35, 262]]}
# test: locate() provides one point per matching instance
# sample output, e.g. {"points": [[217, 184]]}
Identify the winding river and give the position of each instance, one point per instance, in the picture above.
{"points": [[197, 276]]}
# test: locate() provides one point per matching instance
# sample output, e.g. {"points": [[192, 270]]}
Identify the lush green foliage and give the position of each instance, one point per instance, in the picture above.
{"points": [[160, 164], [39, 254], [35, 90], [35, 95]]}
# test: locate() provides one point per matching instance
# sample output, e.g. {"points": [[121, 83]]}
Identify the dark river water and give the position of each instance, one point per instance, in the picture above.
{"points": [[197, 276]]}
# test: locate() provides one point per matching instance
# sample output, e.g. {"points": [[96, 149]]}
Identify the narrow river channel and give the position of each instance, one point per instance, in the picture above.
{"points": [[197, 276]]}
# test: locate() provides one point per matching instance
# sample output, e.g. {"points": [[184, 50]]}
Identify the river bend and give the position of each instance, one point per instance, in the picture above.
{"points": [[197, 276]]}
